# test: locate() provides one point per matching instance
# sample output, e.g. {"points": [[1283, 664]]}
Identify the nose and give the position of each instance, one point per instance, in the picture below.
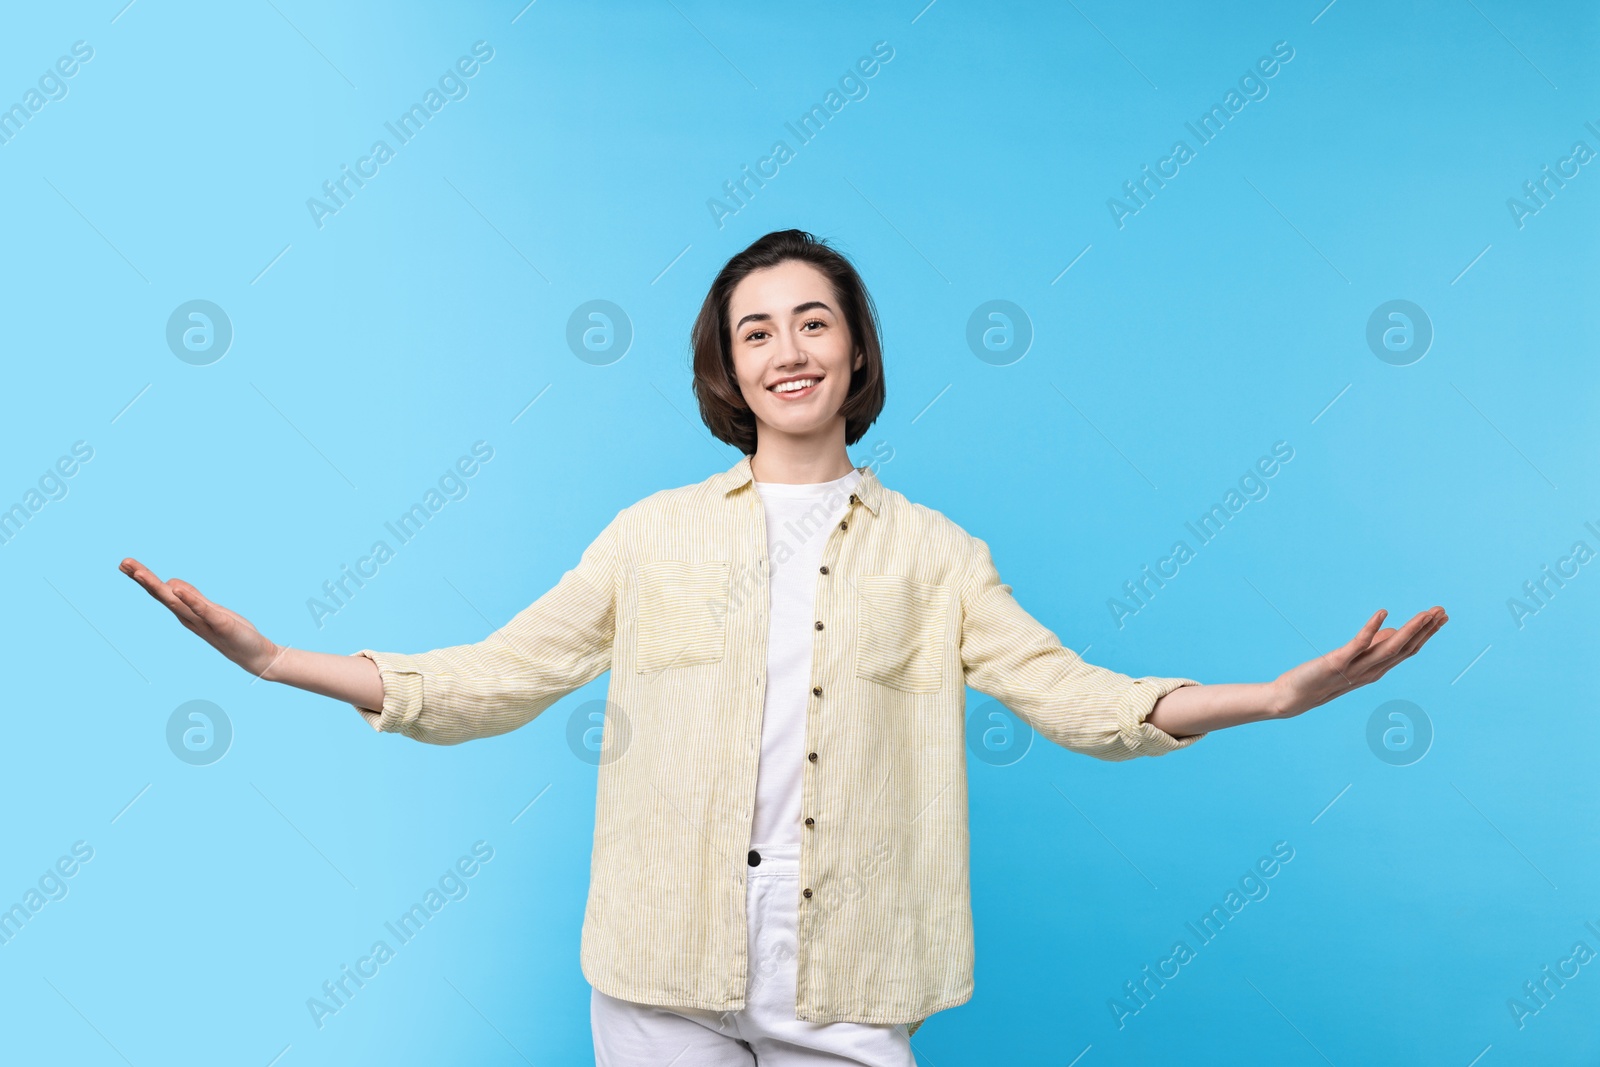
{"points": [[788, 352]]}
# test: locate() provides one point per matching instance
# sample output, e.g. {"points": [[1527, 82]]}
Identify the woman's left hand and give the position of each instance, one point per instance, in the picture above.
{"points": [[1367, 657]]}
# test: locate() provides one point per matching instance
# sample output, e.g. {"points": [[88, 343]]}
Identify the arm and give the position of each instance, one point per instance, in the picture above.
{"points": [[449, 695], [558, 643], [1013, 657], [347, 678], [1362, 660], [1212, 707], [341, 677]]}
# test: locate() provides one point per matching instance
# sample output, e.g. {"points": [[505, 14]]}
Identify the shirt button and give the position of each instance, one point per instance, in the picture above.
{"points": [[819, 624], [816, 690], [806, 892], [844, 525], [812, 757], [824, 568], [853, 498], [811, 822]]}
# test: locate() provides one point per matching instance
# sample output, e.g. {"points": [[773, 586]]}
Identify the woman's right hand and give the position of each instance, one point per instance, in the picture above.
{"points": [[226, 631]]}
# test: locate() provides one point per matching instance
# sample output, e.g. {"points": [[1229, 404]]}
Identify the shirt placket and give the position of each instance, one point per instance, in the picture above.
{"points": [[824, 614], [823, 611]]}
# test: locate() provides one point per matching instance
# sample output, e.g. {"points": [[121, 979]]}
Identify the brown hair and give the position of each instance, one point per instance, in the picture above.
{"points": [[722, 405]]}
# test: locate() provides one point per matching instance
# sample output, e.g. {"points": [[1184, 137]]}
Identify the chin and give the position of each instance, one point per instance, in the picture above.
{"points": [[797, 427], [802, 422]]}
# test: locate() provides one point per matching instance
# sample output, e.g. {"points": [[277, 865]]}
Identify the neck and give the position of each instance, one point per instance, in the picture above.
{"points": [[797, 462]]}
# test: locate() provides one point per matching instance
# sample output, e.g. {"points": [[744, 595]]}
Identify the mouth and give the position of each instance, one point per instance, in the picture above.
{"points": [[796, 389]]}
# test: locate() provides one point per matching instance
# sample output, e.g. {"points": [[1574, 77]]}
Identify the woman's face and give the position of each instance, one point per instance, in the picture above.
{"points": [[787, 327]]}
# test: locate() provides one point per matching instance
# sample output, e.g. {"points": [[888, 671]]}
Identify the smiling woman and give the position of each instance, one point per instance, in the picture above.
{"points": [[788, 310], [780, 870]]}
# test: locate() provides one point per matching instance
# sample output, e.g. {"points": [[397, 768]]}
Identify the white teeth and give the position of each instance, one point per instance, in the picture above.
{"points": [[789, 387]]}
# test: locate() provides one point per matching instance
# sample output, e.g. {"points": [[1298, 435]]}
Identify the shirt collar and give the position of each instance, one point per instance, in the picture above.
{"points": [[869, 490]]}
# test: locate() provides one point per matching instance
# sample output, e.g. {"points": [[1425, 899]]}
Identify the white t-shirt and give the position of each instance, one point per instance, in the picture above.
{"points": [[799, 520]]}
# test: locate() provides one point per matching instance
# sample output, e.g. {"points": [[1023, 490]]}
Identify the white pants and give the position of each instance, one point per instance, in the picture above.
{"points": [[766, 1031]]}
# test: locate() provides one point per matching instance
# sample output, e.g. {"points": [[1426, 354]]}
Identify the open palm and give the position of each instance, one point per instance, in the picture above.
{"points": [[1367, 657], [227, 631]]}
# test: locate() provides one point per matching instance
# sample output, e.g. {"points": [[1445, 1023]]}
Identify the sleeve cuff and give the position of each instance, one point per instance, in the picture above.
{"points": [[402, 692], [1140, 737]]}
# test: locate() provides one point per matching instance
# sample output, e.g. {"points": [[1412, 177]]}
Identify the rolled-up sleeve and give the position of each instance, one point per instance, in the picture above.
{"points": [[1016, 659], [561, 641]]}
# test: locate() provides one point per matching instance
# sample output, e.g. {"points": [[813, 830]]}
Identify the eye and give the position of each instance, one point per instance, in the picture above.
{"points": [[809, 322]]}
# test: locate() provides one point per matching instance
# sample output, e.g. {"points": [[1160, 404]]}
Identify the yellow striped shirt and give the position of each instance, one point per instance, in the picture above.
{"points": [[672, 597]]}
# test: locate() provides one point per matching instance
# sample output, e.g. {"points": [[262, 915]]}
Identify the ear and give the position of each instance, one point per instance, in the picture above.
{"points": [[861, 361]]}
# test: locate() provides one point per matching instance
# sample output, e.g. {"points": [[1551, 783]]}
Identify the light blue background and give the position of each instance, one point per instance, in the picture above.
{"points": [[1228, 314]]}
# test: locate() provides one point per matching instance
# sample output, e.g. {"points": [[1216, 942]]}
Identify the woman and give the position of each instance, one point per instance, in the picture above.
{"points": [[779, 868]]}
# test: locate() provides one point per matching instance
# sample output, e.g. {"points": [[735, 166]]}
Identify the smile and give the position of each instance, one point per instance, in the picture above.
{"points": [[793, 390]]}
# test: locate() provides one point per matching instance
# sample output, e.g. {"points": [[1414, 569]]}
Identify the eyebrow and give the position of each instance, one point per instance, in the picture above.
{"points": [[762, 316]]}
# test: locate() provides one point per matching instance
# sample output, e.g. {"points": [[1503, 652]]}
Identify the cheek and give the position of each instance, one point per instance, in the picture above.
{"points": [[746, 386]]}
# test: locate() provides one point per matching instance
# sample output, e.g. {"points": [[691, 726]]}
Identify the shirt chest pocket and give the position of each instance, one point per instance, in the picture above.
{"points": [[900, 632], [682, 616]]}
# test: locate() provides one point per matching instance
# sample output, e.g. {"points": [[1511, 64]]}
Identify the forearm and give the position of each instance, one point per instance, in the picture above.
{"points": [[1198, 709], [353, 679]]}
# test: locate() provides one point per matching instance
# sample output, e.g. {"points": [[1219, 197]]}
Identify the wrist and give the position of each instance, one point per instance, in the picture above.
{"points": [[1279, 705], [273, 664], [1283, 701]]}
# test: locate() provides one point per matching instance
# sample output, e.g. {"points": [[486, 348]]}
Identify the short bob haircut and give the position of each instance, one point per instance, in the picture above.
{"points": [[722, 404]]}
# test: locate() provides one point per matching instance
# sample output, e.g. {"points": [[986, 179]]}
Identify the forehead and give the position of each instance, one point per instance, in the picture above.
{"points": [[774, 290]]}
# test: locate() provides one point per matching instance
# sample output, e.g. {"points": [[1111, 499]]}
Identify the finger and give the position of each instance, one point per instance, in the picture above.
{"points": [[218, 622], [205, 610], [142, 574], [1364, 636], [1340, 658], [1436, 621], [1376, 635], [1432, 619], [137, 571], [1403, 636], [233, 615], [162, 592], [1406, 645]]}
